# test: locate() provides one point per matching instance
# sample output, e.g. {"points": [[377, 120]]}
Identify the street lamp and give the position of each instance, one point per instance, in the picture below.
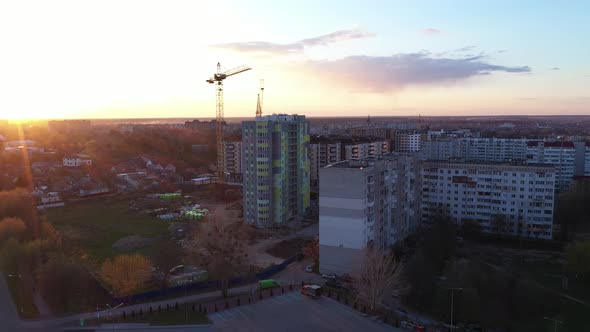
{"points": [[189, 280], [555, 321], [110, 312], [453, 289], [20, 298]]}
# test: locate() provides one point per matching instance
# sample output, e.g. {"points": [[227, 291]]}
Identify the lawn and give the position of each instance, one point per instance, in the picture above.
{"points": [[94, 225], [548, 273]]}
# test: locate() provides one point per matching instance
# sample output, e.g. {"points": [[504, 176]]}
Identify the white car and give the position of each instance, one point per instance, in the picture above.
{"points": [[309, 268], [329, 276]]}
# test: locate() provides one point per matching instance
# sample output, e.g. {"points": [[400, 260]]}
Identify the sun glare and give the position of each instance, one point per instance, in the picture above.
{"points": [[21, 116]]}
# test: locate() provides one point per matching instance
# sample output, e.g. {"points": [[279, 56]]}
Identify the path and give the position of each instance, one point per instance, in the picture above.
{"points": [[258, 250], [44, 311], [46, 323], [8, 314]]}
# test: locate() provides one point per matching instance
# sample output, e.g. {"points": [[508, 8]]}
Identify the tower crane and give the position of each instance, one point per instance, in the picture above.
{"points": [[260, 99], [217, 79]]}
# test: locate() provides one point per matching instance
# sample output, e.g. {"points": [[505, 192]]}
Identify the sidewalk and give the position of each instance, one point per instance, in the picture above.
{"points": [[8, 314], [44, 311], [136, 307]]}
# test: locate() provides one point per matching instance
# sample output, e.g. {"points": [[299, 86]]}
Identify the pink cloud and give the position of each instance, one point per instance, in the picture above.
{"points": [[431, 31]]}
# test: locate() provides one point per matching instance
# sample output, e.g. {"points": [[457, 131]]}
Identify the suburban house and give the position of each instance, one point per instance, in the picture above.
{"points": [[77, 160]]}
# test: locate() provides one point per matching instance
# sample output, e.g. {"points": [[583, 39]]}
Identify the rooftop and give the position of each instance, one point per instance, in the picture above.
{"points": [[281, 117], [495, 163]]}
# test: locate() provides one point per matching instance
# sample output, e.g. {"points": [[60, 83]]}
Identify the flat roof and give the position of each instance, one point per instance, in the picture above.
{"points": [[490, 163]]}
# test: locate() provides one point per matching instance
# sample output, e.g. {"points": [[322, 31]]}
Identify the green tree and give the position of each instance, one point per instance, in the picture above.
{"points": [[12, 228], [11, 257], [577, 260], [572, 210], [64, 283]]}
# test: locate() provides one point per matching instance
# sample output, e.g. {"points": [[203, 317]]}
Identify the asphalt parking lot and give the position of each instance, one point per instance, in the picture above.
{"points": [[294, 312]]}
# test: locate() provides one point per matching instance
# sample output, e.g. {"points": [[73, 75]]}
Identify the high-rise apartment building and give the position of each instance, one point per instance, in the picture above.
{"points": [[509, 198], [492, 149], [275, 168], [440, 149], [359, 150], [233, 160], [371, 201], [407, 141], [322, 153], [561, 154]]}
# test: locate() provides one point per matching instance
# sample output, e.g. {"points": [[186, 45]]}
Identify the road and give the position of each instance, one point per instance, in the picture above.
{"points": [[262, 258], [295, 312]]}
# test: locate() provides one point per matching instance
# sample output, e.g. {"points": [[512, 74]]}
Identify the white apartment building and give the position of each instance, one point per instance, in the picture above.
{"points": [[359, 150], [372, 201], [322, 154], [76, 160], [492, 149], [233, 160], [560, 154], [440, 149], [407, 141], [507, 198]]}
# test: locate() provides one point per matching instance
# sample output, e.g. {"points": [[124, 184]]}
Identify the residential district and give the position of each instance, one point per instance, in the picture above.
{"points": [[480, 223]]}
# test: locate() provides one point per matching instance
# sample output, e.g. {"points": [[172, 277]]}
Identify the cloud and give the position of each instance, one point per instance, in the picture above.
{"points": [[297, 47], [555, 68], [384, 73], [431, 31], [458, 52]]}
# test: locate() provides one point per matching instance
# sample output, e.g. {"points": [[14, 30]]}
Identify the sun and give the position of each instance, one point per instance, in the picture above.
{"points": [[24, 115], [21, 116]]}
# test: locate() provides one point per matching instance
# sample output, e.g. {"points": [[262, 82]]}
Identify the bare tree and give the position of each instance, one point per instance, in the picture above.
{"points": [[499, 224], [379, 272], [222, 253]]}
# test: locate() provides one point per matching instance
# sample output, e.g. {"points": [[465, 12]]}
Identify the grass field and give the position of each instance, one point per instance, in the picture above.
{"points": [[94, 225]]}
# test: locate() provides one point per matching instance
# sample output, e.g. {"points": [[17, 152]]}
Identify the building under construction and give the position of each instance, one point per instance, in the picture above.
{"points": [[275, 169]]}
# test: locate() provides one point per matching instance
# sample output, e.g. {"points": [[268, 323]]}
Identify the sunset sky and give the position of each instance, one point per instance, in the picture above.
{"points": [[126, 59]]}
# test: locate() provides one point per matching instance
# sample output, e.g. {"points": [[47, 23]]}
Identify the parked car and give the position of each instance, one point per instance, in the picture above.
{"points": [[314, 291], [309, 268], [346, 277], [336, 285], [329, 276], [411, 326], [268, 283]]}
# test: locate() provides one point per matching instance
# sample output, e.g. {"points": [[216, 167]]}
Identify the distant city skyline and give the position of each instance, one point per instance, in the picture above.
{"points": [[150, 59]]}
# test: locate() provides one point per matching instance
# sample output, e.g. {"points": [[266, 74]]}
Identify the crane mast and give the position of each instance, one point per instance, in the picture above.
{"points": [[260, 99], [217, 79]]}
